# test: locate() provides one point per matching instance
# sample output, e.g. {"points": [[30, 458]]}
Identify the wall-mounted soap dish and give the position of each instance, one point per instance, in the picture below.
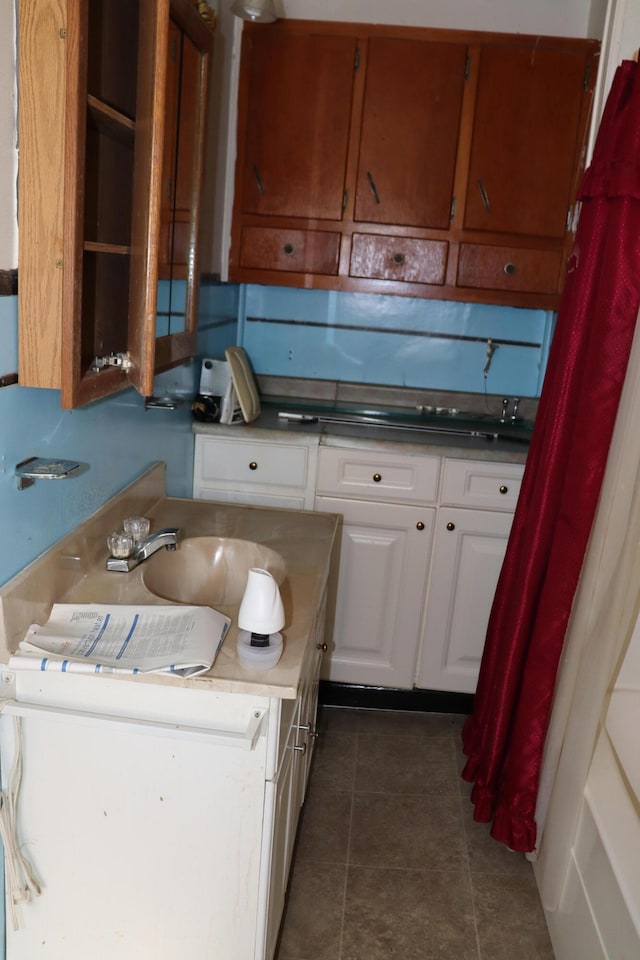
{"points": [[43, 468]]}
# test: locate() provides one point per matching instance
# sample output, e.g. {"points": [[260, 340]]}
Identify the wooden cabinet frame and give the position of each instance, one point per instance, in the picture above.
{"points": [[55, 246]]}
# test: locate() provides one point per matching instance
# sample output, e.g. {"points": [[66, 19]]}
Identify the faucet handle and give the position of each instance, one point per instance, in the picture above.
{"points": [[138, 527], [120, 544]]}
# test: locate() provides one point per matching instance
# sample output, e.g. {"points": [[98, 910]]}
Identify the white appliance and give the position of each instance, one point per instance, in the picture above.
{"points": [[141, 810]]}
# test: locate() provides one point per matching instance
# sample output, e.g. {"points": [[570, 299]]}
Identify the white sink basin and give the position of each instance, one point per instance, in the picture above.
{"points": [[209, 570]]}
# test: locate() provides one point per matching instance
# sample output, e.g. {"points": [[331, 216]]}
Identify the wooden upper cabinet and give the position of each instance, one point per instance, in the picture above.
{"points": [[409, 132], [297, 122], [526, 138], [402, 160], [92, 147]]}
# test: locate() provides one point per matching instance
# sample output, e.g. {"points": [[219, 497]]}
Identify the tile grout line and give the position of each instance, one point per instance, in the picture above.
{"points": [[461, 799], [346, 872]]}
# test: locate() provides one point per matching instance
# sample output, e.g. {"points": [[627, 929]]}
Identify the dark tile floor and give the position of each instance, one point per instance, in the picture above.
{"points": [[389, 862]]}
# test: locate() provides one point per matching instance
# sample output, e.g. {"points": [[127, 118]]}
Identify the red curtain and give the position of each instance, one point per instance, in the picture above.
{"points": [[504, 737]]}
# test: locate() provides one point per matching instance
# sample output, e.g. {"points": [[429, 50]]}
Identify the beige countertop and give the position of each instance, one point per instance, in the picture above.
{"points": [[74, 570]]}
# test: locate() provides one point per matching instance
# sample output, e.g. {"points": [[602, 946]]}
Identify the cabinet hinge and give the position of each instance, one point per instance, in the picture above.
{"points": [[452, 211], [356, 61], [467, 67], [122, 360], [587, 76]]}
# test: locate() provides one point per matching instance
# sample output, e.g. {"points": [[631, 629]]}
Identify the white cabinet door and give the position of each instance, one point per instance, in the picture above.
{"points": [[468, 553], [285, 822], [383, 567]]}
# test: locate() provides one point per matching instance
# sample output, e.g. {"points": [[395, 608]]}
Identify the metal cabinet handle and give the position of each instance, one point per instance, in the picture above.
{"points": [[377, 477], [289, 249], [259, 181], [398, 258], [253, 465], [322, 646], [451, 526], [373, 188], [301, 748], [419, 525], [485, 196], [510, 269], [504, 489]]}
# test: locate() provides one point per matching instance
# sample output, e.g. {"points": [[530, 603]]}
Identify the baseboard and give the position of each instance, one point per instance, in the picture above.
{"points": [[390, 698]]}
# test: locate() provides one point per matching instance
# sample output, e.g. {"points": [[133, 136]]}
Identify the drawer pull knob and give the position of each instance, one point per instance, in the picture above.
{"points": [[419, 525], [377, 477], [322, 646], [509, 269], [398, 258], [253, 465], [289, 249], [451, 526], [504, 489]]}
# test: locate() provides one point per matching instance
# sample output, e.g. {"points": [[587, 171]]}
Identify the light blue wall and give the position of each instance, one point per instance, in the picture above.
{"points": [[116, 437], [398, 341], [218, 311]]}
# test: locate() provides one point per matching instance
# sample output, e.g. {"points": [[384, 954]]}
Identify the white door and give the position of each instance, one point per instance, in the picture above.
{"points": [[383, 566], [467, 559]]}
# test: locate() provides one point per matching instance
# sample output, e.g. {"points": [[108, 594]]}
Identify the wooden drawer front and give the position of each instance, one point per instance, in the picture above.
{"points": [[398, 258], [296, 251], [509, 268], [469, 483], [377, 476], [244, 462]]}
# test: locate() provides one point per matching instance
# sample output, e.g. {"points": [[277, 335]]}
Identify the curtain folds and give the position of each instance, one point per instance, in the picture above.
{"points": [[504, 737]]}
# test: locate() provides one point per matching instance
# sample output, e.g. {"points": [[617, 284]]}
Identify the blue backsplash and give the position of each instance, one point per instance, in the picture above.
{"points": [[396, 341], [286, 332], [116, 437]]}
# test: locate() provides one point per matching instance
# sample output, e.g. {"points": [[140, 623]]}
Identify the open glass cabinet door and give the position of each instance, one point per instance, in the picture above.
{"points": [[125, 92]]}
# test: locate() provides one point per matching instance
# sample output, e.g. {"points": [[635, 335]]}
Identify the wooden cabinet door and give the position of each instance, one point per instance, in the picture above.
{"points": [[296, 124], [467, 558], [383, 570], [409, 133], [525, 145]]}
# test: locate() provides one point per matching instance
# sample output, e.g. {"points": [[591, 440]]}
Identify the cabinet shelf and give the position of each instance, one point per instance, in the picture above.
{"points": [[118, 248], [110, 120]]}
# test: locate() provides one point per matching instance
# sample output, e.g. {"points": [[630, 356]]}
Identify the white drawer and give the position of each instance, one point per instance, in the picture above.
{"points": [[251, 461], [473, 483], [367, 475]]}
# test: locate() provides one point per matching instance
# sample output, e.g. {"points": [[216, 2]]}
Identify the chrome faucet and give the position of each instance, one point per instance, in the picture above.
{"points": [[143, 549]]}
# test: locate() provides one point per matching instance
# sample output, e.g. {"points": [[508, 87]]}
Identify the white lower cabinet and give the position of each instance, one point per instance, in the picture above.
{"points": [[423, 541], [467, 557], [382, 578], [298, 725]]}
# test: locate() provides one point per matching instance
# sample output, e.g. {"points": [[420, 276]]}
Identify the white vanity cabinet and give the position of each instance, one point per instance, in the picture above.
{"points": [[269, 473], [477, 501], [388, 504], [298, 734]]}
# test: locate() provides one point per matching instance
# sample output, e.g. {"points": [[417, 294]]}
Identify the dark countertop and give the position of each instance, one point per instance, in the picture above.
{"points": [[396, 430]]}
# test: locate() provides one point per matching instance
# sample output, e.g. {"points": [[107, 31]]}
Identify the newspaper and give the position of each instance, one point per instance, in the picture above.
{"points": [[115, 638]]}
